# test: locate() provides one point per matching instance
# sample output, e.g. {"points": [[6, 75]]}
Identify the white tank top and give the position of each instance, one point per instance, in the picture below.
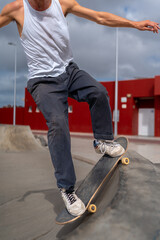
{"points": [[45, 38]]}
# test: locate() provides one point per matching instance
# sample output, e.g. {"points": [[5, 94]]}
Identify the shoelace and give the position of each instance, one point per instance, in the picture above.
{"points": [[70, 197]]}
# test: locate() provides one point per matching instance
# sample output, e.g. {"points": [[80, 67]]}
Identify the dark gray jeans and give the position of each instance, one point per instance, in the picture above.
{"points": [[50, 95]]}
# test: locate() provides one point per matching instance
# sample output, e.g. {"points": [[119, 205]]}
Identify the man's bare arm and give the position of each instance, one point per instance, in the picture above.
{"points": [[108, 19], [5, 15], [8, 13]]}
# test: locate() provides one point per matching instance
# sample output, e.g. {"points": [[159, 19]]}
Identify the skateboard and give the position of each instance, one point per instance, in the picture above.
{"points": [[89, 188]]}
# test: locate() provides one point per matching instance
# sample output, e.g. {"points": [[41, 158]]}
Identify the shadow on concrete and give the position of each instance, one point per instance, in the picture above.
{"points": [[51, 195]]}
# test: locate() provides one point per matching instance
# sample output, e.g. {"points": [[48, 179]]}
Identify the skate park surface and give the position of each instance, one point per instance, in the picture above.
{"points": [[128, 206]]}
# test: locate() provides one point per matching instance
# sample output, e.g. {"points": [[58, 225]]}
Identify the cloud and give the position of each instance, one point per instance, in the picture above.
{"points": [[93, 46]]}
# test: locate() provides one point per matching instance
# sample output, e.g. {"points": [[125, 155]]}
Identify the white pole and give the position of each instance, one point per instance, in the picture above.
{"points": [[15, 76], [116, 90], [14, 112]]}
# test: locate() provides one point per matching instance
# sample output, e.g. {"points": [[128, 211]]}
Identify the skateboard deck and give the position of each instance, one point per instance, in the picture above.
{"points": [[89, 188]]}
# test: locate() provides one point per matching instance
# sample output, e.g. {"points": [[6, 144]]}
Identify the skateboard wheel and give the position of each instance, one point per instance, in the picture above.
{"points": [[125, 161], [92, 208]]}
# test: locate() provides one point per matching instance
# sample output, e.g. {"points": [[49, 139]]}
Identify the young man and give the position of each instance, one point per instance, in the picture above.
{"points": [[53, 76]]}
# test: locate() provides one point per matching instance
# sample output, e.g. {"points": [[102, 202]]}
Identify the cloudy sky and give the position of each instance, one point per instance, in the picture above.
{"points": [[93, 46]]}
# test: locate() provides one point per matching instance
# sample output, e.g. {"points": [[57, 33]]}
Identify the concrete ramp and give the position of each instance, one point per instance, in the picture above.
{"points": [[128, 208], [17, 138]]}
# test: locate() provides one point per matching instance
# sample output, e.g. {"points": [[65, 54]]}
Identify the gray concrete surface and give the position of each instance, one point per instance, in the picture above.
{"points": [[132, 213], [149, 148], [128, 207], [29, 199]]}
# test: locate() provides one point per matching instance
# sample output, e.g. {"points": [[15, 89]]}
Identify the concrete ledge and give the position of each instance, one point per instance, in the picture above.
{"points": [[17, 138]]}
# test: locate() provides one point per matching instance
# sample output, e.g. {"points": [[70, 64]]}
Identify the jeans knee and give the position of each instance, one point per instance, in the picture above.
{"points": [[101, 94], [57, 126]]}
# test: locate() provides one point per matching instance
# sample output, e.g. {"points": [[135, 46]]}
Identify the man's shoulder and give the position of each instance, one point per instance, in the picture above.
{"points": [[13, 6], [17, 4], [68, 3]]}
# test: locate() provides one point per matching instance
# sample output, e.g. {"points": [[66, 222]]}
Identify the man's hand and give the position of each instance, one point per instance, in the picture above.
{"points": [[147, 26]]}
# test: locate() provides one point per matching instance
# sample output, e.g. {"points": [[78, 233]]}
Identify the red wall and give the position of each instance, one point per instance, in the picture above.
{"points": [[157, 105], [157, 116], [142, 93], [6, 115], [79, 120]]}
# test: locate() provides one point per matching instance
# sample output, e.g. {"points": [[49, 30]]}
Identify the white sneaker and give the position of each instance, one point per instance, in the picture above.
{"points": [[73, 204], [112, 148]]}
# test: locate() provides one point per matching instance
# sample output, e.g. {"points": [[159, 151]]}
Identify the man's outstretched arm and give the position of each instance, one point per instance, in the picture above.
{"points": [[108, 19]]}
